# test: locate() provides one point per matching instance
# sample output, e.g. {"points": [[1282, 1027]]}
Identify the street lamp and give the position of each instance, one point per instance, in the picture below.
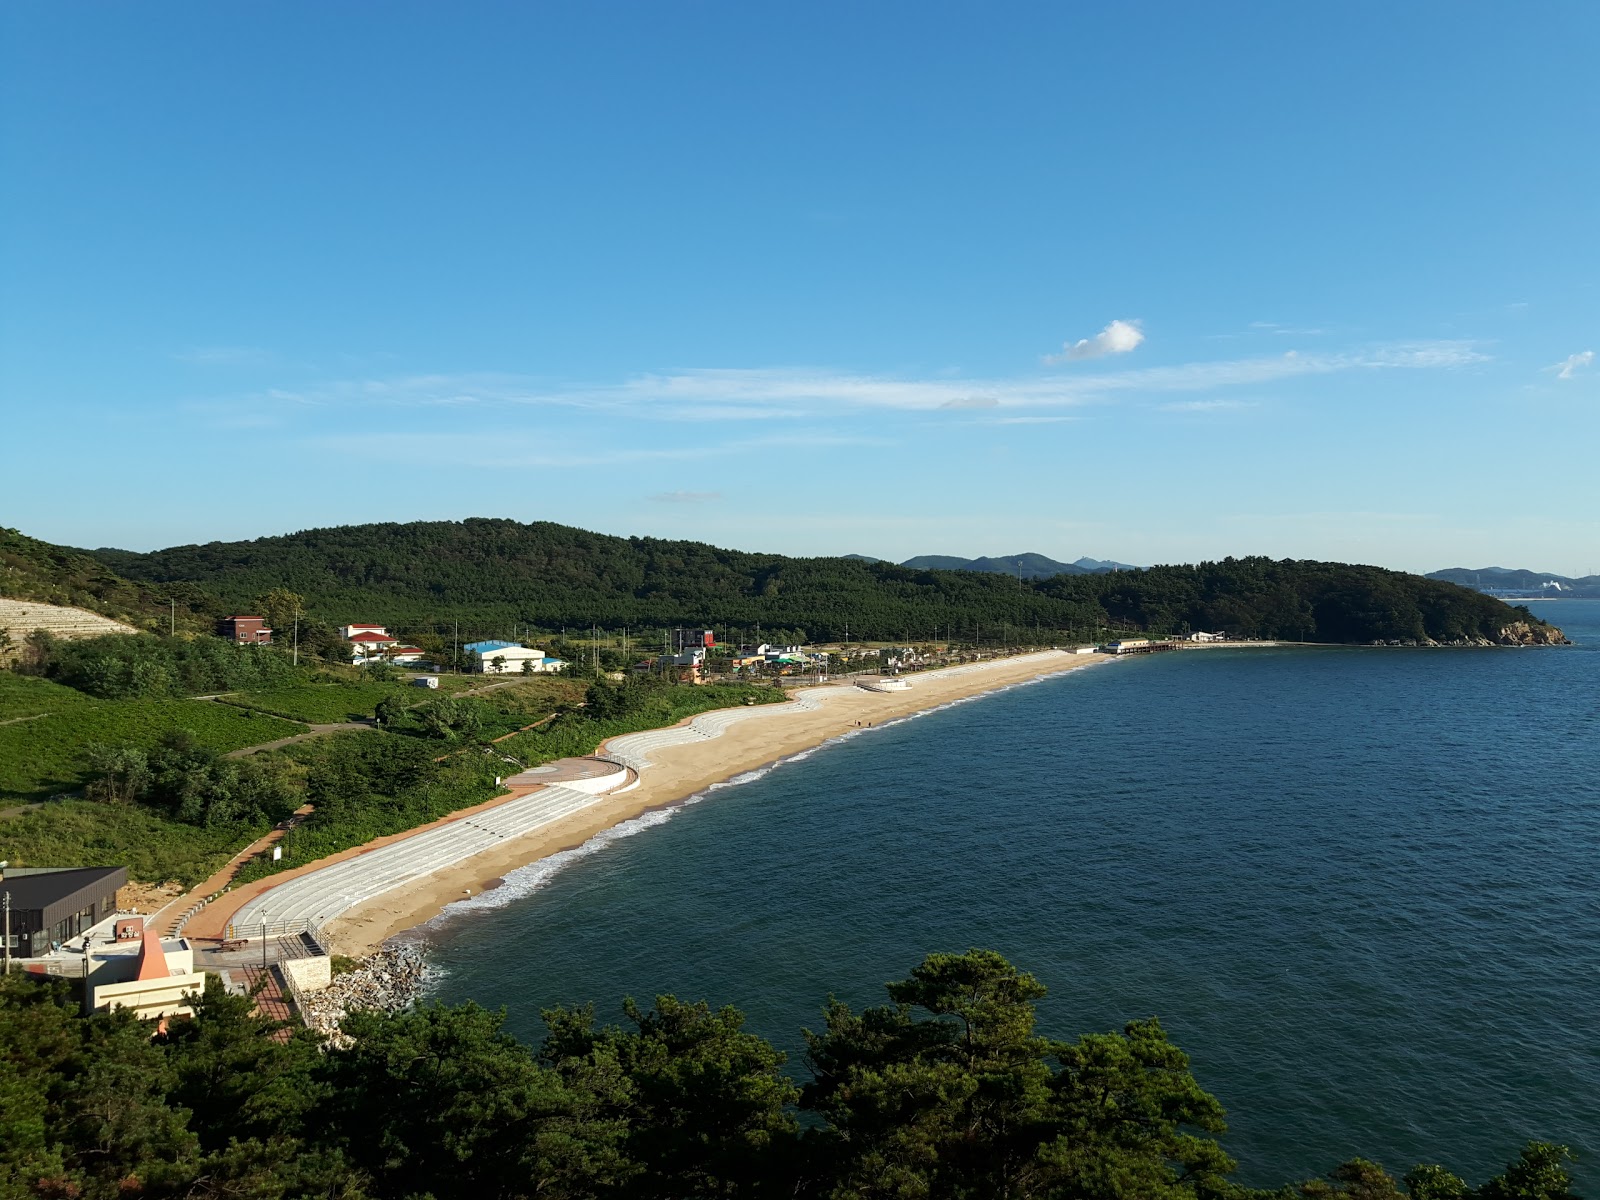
{"points": [[263, 940]]}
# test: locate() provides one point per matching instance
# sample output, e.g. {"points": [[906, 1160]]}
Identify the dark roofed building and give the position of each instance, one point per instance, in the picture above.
{"points": [[51, 904]]}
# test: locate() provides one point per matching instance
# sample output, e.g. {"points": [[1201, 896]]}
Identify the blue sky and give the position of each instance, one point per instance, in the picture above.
{"points": [[1154, 283]]}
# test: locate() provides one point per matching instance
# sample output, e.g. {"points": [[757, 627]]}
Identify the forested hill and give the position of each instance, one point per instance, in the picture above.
{"points": [[493, 575], [35, 570]]}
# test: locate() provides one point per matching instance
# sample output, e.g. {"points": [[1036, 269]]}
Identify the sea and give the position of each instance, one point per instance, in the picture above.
{"points": [[1360, 887]]}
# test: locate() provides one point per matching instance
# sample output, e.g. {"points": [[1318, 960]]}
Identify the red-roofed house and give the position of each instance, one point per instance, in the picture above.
{"points": [[372, 644]]}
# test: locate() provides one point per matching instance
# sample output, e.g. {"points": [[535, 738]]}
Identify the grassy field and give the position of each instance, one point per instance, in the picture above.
{"points": [[153, 848], [43, 756], [330, 700]]}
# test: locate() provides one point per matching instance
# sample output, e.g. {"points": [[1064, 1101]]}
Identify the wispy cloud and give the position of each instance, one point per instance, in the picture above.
{"points": [[795, 393], [520, 449], [1205, 406], [1569, 367], [1278, 330], [1119, 337], [1026, 420], [686, 497], [227, 356]]}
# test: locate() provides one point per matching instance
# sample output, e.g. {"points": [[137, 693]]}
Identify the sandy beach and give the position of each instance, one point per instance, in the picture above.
{"points": [[679, 772]]}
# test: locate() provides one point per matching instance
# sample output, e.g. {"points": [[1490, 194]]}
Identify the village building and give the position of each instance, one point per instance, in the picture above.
{"points": [[496, 657], [371, 645], [49, 905], [688, 639], [245, 631]]}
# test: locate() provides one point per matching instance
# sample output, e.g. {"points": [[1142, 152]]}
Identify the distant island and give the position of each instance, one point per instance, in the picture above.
{"points": [[1520, 584]]}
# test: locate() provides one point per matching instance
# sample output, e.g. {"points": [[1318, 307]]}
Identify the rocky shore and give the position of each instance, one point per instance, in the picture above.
{"points": [[387, 981], [1518, 633]]}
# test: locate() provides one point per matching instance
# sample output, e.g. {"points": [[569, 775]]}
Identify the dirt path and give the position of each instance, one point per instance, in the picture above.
{"points": [[315, 731], [169, 914]]}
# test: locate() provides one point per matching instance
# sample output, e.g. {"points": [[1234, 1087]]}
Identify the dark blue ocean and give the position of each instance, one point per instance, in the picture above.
{"points": [[1360, 887]]}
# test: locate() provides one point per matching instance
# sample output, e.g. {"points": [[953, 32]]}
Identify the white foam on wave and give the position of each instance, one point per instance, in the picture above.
{"points": [[526, 880]]}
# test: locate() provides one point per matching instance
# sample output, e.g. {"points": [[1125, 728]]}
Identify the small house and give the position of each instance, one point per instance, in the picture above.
{"points": [[245, 631]]}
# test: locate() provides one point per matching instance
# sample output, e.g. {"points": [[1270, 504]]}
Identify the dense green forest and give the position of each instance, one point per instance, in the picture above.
{"points": [[494, 576], [948, 1092]]}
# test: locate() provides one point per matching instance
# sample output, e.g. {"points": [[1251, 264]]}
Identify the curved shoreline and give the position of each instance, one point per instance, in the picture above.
{"points": [[681, 769]]}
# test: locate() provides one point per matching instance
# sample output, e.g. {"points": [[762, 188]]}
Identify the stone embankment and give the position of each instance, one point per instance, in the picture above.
{"points": [[387, 981]]}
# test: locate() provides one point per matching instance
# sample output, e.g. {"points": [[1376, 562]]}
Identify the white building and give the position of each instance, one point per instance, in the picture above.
{"points": [[507, 658]]}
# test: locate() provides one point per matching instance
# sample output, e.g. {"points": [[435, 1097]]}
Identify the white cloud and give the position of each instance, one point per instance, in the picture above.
{"points": [[685, 497], [1572, 364], [1119, 337]]}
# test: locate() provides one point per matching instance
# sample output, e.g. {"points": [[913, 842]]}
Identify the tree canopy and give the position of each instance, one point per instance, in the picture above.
{"points": [[946, 1093], [494, 575]]}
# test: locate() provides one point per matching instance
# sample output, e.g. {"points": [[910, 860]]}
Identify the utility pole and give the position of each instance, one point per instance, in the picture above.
{"points": [[172, 619], [7, 903], [297, 637], [455, 653]]}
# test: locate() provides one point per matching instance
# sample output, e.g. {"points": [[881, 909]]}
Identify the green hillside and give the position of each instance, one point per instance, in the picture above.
{"points": [[35, 570], [493, 576]]}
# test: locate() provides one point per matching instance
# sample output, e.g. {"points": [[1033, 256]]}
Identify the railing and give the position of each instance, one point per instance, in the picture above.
{"points": [[255, 931]]}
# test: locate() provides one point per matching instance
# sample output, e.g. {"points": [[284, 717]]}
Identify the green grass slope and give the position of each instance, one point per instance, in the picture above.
{"points": [[46, 731]]}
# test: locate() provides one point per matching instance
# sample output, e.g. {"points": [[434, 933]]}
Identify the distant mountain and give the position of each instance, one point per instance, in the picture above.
{"points": [[866, 558], [1028, 566], [1511, 580], [938, 562]]}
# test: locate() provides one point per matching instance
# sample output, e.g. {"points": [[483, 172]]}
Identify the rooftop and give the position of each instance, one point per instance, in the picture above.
{"points": [[489, 646], [40, 889]]}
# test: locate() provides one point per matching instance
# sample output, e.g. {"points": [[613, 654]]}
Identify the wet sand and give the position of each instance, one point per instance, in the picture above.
{"points": [[679, 772]]}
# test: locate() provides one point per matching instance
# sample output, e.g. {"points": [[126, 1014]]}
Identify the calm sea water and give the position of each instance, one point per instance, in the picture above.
{"points": [[1360, 888]]}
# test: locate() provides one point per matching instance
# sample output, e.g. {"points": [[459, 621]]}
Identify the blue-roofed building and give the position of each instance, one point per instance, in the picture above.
{"points": [[495, 657]]}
